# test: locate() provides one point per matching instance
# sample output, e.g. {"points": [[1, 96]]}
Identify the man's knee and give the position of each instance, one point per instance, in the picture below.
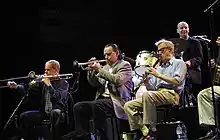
{"points": [[128, 105], [24, 116], [201, 95], [146, 96], [78, 107], [55, 112]]}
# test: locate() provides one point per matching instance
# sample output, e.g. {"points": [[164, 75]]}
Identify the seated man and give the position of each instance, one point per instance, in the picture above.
{"points": [[205, 104], [114, 85], [48, 94], [163, 84]]}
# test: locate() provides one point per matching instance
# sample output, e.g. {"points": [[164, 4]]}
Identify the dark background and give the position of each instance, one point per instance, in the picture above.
{"points": [[79, 29]]}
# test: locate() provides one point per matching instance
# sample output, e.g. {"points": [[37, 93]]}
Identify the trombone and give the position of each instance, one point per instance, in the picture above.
{"points": [[33, 76], [40, 77]]}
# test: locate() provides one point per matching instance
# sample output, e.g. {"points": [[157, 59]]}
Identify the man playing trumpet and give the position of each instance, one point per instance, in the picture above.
{"points": [[164, 85], [114, 85], [49, 95]]}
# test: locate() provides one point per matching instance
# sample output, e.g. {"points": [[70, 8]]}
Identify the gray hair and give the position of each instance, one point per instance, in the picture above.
{"points": [[55, 64], [168, 43], [182, 22]]}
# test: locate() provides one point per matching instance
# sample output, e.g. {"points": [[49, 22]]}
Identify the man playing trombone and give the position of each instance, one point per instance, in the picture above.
{"points": [[49, 94], [114, 85]]}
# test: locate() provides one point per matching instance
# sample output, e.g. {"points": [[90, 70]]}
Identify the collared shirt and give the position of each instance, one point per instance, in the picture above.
{"points": [[175, 68], [107, 93]]}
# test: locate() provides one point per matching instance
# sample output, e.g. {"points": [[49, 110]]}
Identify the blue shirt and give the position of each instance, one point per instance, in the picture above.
{"points": [[175, 68]]}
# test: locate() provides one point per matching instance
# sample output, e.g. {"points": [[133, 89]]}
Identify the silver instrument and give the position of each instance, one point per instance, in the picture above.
{"points": [[76, 64], [31, 75]]}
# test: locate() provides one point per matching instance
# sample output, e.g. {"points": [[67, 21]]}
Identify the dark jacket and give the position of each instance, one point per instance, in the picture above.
{"points": [[36, 93]]}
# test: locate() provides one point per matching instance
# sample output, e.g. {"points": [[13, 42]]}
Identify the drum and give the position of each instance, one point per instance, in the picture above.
{"points": [[140, 89], [136, 79], [143, 60]]}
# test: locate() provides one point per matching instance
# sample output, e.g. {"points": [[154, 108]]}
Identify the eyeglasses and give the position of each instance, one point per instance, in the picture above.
{"points": [[161, 50]]}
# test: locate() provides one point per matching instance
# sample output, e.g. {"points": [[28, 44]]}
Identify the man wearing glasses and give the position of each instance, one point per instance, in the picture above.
{"points": [[164, 85]]}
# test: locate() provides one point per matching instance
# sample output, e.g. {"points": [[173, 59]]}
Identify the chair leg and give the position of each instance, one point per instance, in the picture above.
{"points": [[115, 129]]}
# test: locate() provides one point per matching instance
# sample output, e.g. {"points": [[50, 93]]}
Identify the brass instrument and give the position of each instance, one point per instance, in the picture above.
{"points": [[76, 64], [34, 77], [60, 76]]}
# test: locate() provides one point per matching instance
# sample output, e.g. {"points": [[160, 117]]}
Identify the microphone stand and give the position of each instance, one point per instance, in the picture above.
{"points": [[13, 116], [210, 10]]}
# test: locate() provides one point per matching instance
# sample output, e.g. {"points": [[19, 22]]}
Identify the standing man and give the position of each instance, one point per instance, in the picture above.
{"points": [[164, 85], [193, 57]]}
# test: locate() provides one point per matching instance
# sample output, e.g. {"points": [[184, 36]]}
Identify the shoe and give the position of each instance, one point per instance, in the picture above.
{"points": [[144, 130], [75, 135], [209, 135], [145, 138], [14, 138]]}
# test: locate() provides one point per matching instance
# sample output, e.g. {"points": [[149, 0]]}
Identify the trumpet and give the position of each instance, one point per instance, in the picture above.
{"points": [[87, 63], [76, 64]]}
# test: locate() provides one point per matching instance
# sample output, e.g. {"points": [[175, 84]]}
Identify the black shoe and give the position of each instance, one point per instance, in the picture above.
{"points": [[75, 135], [209, 135], [14, 138]]}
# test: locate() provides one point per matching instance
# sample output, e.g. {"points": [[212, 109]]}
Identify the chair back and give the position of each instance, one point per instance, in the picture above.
{"points": [[68, 112]]}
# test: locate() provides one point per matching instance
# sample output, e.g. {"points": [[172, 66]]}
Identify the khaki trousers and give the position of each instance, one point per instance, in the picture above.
{"points": [[147, 104], [205, 105]]}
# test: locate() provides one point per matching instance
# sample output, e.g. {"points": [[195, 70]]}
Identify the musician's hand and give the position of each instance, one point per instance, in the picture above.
{"points": [[96, 66], [153, 71], [90, 60], [12, 84], [218, 41], [46, 81], [188, 63], [212, 63]]}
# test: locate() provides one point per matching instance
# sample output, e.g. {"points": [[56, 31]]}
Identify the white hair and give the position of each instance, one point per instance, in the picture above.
{"points": [[164, 41], [182, 22]]}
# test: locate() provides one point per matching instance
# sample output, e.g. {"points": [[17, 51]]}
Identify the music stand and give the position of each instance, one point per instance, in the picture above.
{"points": [[211, 24]]}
